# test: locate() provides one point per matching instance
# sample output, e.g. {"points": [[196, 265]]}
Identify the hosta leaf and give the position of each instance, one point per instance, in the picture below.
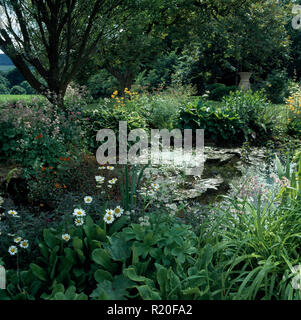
{"points": [[39, 272]]}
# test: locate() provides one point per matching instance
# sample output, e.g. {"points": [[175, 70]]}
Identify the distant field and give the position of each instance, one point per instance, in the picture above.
{"points": [[6, 68], [17, 97]]}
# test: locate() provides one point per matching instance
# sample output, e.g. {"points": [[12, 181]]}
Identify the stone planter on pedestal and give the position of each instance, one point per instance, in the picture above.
{"points": [[244, 83]]}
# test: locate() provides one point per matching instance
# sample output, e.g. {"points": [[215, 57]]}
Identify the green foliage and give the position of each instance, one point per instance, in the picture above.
{"points": [[3, 89], [275, 86], [17, 90], [14, 77], [35, 135], [261, 246], [162, 261], [159, 74], [294, 127], [221, 125], [293, 111], [161, 110], [129, 183], [3, 80], [28, 88], [108, 115], [67, 264], [241, 116], [59, 293], [290, 172], [219, 90], [102, 84], [251, 110], [248, 251]]}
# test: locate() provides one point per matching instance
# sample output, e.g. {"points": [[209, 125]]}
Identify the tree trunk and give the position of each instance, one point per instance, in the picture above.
{"points": [[126, 82], [125, 78]]}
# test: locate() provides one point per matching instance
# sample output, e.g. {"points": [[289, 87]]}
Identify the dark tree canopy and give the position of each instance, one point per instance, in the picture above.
{"points": [[157, 27], [49, 40]]}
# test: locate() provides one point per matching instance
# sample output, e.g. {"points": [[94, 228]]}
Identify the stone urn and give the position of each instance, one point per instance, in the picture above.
{"points": [[244, 83]]}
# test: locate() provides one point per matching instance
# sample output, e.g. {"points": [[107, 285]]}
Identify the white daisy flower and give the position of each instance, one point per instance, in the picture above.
{"points": [[118, 212], [101, 168], [18, 240], [66, 237], [112, 181], [88, 199], [108, 218], [13, 213], [110, 168], [155, 186], [12, 250], [99, 179], [79, 222], [79, 212], [110, 212], [151, 193], [24, 244]]}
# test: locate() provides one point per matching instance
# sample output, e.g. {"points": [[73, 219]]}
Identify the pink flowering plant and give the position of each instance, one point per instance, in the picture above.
{"points": [[34, 134]]}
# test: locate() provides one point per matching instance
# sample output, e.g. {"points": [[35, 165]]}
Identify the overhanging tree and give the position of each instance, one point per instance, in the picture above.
{"points": [[49, 40], [157, 27]]}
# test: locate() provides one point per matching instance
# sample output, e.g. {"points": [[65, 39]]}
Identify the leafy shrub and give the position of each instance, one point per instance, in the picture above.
{"points": [[73, 175], [28, 88], [251, 109], [77, 98], [260, 237], [219, 90], [221, 125], [293, 106], [102, 84], [14, 77], [3, 89], [108, 114], [17, 90], [276, 86], [4, 81], [160, 73], [35, 135], [161, 109], [161, 261]]}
